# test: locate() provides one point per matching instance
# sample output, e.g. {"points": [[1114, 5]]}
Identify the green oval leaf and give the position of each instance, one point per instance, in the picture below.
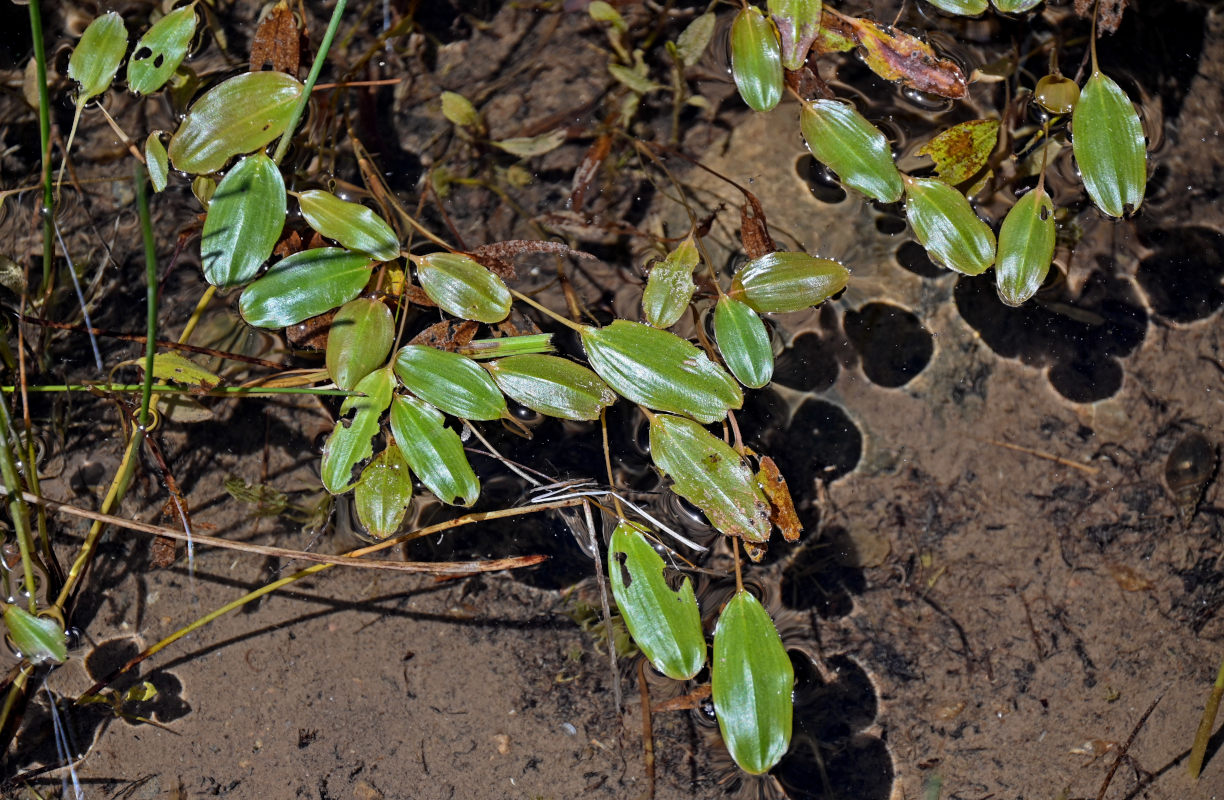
{"points": [[434, 451], [238, 116], [843, 140], [350, 441], [97, 56], [155, 161], [664, 623], [670, 287], [965, 8], [160, 51], [384, 493], [693, 39], [962, 150], [1015, 6], [1056, 94], [351, 224], [245, 218], [752, 681], [460, 285], [305, 285], [798, 22], [556, 387], [359, 341], [705, 471], [1109, 147], [659, 370], [743, 342], [783, 281], [756, 59], [38, 639], [460, 111], [947, 226], [1026, 247], [453, 383]]}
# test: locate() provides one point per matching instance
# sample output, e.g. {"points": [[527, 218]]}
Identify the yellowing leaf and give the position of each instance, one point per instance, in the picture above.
{"points": [[962, 150], [525, 147], [383, 493], [756, 59], [897, 56], [460, 111], [1109, 147], [180, 369], [670, 287], [38, 639]]}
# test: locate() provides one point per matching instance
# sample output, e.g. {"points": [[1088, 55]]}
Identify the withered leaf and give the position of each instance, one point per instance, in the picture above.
{"points": [[499, 257], [588, 169], [311, 334], [416, 295], [447, 334], [1128, 578], [289, 245], [962, 150], [277, 42], [782, 508], [754, 231], [897, 56]]}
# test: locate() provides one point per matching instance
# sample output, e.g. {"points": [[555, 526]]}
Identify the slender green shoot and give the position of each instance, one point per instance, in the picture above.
{"points": [[162, 388], [150, 248], [44, 139], [17, 507], [1199, 752], [282, 146]]}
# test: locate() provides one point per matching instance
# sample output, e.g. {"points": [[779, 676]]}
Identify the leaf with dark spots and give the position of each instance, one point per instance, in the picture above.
{"points": [[962, 150], [897, 56], [499, 257]]}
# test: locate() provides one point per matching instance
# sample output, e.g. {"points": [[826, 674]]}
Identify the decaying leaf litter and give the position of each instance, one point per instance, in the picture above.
{"points": [[862, 410]]}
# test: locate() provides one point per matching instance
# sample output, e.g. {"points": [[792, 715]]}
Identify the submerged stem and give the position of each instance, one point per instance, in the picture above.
{"points": [[282, 146]]}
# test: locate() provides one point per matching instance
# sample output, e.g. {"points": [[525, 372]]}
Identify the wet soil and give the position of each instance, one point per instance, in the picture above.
{"points": [[996, 583]]}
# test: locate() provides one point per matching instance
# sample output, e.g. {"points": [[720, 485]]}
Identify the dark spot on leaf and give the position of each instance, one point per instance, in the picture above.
{"points": [[157, 62], [622, 562], [141, 54]]}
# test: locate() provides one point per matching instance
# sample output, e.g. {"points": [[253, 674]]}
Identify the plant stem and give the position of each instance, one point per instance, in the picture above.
{"points": [[44, 138], [17, 507], [160, 388], [544, 310], [150, 248], [282, 146], [1203, 735]]}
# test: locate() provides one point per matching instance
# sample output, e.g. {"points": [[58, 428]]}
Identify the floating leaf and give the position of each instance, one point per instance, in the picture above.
{"points": [[966, 8], [1026, 247], [897, 56], [962, 150], [305, 285], [434, 451], [461, 286], [665, 623], [947, 226], [238, 116], [97, 56], [1109, 146], [660, 370], [710, 475], [1015, 6], [460, 111], [798, 22], [694, 39], [752, 681], [455, 384], [383, 493], [843, 140], [359, 341], [527, 146], [553, 386], [670, 287], [155, 160], [1057, 94], [351, 224], [786, 281], [180, 369], [37, 639], [350, 441], [160, 51], [756, 59], [743, 342], [245, 218]]}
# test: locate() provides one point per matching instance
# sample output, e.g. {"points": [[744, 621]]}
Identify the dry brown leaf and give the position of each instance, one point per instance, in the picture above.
{"points": [[897, 56], [278, 42], [1129, 578], [782, 508]]}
